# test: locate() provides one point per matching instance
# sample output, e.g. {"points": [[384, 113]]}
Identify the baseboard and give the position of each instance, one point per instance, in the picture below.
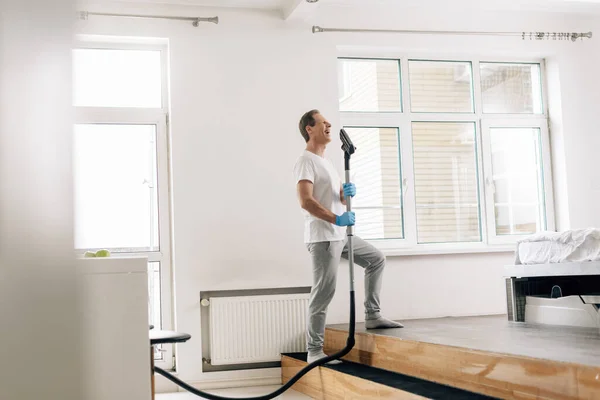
{"points": [[165, 386]]}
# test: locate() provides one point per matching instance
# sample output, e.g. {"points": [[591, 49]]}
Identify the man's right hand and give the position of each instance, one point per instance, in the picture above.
{"points": [[346, 219]]}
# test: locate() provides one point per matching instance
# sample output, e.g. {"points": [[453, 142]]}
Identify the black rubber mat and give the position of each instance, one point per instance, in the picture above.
{"points": [[421, 387]]}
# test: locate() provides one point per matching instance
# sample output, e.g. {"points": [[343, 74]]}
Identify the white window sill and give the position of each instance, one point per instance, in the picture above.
{"points": [[441, 249]]}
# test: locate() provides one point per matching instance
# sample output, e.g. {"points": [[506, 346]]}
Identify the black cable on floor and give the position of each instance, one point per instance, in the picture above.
{"points": [[349, 345]]}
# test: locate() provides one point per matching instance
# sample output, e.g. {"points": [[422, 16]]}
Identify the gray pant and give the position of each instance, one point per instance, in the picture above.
{"points": [[325, 260]]}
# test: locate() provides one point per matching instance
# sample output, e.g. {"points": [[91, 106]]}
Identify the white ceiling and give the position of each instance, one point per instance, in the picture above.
{"points": [[288, 7]]}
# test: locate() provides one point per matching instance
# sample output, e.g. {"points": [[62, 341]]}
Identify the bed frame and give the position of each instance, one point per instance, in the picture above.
{"points": [[579, 283]]}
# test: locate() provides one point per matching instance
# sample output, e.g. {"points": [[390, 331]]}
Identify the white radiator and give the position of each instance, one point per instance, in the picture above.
{"points": [[254, 329]]}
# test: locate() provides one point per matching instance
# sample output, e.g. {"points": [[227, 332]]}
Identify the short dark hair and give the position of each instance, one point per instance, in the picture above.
{"points": [[308, 119]]}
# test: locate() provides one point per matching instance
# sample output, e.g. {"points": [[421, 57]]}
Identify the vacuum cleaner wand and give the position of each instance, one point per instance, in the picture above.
{"points": [[349, 149]]}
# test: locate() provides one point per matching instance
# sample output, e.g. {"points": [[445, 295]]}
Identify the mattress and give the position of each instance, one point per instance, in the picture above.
{"points": [[558, 247]]}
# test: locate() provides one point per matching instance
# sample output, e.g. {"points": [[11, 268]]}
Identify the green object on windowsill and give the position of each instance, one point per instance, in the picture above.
{"points": [[99, 253], [103, 253]]}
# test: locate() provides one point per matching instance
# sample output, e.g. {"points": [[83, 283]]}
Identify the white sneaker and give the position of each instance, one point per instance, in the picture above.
{"points": [[312, 358]]}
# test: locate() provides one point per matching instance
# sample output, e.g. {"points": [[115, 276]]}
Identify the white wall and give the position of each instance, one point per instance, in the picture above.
{"points": [[238, 90], [579, 89], [39, 301]]}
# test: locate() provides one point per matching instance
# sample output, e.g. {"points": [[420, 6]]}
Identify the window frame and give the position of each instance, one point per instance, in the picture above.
{"points": [[533, 123], [159, 117], [403, 120]]}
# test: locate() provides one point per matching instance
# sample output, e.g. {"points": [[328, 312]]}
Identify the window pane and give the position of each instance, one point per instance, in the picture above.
{"points": [[440, 86], [369, 85], [448, 223], [518, 184], [154, 294], [376, 172], [446, 187], [115, 187], [117, 78], [511, 88], [378, 223]]}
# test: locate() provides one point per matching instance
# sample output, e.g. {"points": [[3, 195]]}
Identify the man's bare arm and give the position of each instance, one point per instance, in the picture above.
{"points": [[342, 197], [308, 202]]}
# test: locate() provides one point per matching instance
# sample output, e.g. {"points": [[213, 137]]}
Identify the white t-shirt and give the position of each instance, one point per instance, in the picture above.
{"points": [[326, 190]]}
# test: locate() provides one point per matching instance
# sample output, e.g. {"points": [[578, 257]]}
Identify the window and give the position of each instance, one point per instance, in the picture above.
{"points": [[380, 205], [445, 176], [370, 85], [118, 78], [120, 163], [516, 178], [115, 170], [511, 88], [439, 87], [452, 154]]}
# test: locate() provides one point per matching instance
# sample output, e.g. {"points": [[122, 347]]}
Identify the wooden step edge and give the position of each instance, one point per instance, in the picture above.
{"points": [[352, 380], [498, 375], [324, 383]]}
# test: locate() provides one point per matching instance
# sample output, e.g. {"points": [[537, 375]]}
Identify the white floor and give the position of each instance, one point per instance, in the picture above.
{"points": [[237, 392]]}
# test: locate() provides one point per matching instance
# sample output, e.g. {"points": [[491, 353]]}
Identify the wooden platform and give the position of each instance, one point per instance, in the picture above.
{"points": [[487, 355], [356, 381], [325, 383]]}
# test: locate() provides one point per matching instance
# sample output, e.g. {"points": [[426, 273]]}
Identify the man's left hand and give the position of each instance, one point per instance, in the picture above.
{"points": [[349, 190]]}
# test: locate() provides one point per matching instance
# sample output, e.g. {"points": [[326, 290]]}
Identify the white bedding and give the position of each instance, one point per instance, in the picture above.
{"points": [[558, 247]]}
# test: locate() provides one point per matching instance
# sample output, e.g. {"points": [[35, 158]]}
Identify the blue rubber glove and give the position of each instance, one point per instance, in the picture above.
{"points": [[346, 219], [349, 190]]}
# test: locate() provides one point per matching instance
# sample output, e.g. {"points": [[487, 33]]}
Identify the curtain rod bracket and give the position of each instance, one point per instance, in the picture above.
{"points": [[214, 20]]}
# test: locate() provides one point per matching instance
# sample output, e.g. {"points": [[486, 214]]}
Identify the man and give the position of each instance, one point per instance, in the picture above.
{"points": [[323, 197]]}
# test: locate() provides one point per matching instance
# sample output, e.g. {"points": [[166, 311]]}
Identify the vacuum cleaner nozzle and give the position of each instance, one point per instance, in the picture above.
{"points": [[347, 144]]}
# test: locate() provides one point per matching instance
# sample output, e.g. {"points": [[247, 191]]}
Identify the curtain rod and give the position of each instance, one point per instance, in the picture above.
{"points": [[523, 35], [195, 20]]}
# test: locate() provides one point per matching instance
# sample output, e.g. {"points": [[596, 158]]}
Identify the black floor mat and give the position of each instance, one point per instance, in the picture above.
{"points": [[410, 384]]}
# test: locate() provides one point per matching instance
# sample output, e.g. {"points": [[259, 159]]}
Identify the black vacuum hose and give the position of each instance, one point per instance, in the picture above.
{"points": [[294, 379]]}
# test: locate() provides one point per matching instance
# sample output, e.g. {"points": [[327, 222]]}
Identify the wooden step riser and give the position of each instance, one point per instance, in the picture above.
{"points": [[327, 384], [497, 375]]}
